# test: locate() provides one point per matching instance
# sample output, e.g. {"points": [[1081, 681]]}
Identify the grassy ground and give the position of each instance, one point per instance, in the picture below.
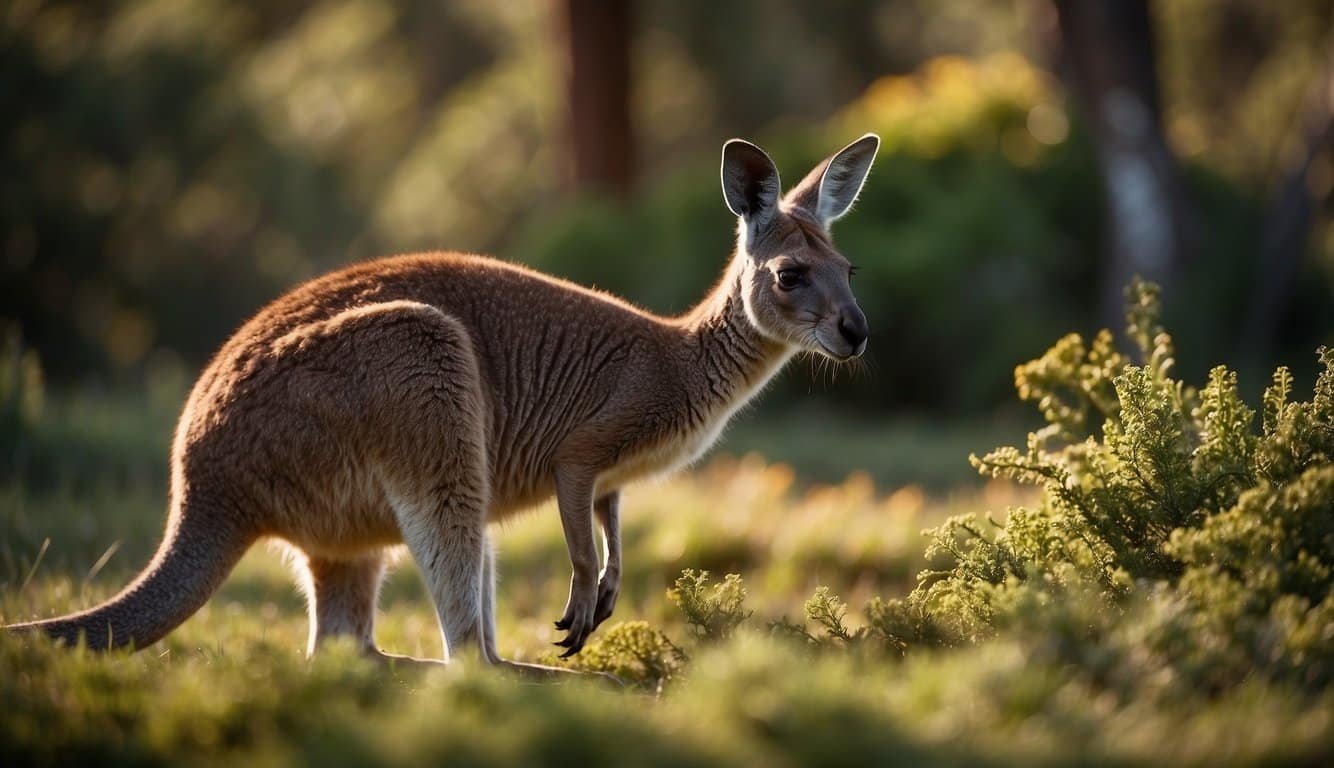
{"points": [[81, 503], [905, 450]]}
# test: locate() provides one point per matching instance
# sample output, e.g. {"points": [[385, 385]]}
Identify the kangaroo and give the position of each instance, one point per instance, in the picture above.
{"points": [[416, 399]]}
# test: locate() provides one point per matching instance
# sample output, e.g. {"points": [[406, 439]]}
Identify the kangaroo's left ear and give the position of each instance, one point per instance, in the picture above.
{"points": [[831, 188]]}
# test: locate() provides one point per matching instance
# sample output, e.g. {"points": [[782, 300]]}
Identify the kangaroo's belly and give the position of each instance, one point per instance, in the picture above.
{"points": [[508, 502], [336, 514]]}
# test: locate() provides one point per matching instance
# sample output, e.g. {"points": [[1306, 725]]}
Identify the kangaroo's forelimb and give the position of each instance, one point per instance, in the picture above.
{"points": [[607, 510]]}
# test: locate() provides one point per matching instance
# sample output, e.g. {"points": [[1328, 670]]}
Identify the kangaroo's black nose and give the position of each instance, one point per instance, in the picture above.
{"points": [[852, 325]]}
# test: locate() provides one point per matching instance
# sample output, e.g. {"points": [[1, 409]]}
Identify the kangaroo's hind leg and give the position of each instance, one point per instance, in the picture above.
{"points": [[431, 445], [405, 398], [489, 651], [445, 537], [342, 595]]}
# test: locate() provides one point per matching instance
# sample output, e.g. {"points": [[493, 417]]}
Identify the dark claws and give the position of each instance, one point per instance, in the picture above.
{"points": [[574, 642], [563, 624]]}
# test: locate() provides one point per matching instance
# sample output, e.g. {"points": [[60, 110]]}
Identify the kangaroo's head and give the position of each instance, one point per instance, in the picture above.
{"points": [[794, 283]]}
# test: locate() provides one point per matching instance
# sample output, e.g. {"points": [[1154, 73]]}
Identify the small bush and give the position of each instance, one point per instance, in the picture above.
{"points": [[712, 614], [633, 651], [1159, 492]]}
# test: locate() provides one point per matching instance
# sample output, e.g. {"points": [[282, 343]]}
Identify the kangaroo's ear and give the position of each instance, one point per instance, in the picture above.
{"points": [[750, 184], [831, 188]]}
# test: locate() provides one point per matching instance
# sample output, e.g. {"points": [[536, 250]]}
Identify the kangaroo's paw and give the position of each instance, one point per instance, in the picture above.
{"points": [[578, 619], [609, 588]]}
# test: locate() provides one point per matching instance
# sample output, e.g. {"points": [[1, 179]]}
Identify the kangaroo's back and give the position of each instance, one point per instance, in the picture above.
{"points": [[552, 357]]}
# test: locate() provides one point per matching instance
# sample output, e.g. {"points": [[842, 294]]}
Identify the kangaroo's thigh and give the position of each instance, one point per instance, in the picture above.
{"points": [[372, 405], [420, 390]]}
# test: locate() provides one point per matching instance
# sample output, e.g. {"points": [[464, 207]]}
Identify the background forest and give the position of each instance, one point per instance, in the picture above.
{"points": [[1146, 579]]}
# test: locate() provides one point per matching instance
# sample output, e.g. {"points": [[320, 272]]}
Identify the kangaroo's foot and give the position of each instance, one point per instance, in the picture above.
{"points": [[396, 660], [540, 673], [545, 674]]}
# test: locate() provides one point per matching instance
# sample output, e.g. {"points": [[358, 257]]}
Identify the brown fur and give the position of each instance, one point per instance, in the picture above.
{"points": [[419, 398]]}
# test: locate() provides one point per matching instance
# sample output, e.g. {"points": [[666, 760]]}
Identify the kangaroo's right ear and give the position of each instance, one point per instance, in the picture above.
{"points": [[750, 185], [831, 188]]}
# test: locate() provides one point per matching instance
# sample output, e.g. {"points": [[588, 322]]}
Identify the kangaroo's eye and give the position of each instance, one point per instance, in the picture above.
{"points": [[790, 278]]}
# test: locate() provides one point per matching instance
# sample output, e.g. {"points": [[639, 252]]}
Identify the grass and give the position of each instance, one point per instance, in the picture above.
{"points": [[905, 450], [232, 684]]}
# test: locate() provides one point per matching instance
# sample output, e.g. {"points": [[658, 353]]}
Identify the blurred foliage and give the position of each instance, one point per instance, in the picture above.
{"points": [[22, 393], [167, 166], [1229, 94], [751, 701]]}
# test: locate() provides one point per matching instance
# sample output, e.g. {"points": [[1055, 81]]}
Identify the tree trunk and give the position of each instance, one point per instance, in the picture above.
{"points": [[601, 142], [1287, 230], [1107, 59]]}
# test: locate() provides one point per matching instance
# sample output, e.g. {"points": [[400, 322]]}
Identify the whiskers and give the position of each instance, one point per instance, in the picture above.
{"points": [[826, 369]]}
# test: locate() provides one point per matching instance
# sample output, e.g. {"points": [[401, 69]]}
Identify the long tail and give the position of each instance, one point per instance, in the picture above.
{"points": [[189, 566]]}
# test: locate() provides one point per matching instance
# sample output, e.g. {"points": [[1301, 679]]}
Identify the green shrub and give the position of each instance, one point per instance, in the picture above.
{"points": [[1159, 502], [712, 614], [633, 651]]}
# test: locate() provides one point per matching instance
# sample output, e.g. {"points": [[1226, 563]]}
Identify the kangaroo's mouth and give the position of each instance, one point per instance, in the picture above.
{"points": [[839, 350]]}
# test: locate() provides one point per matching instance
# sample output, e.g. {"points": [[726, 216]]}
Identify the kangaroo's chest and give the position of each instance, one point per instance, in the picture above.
{"points": [[675, 435], [663, 456], [654, 457]]}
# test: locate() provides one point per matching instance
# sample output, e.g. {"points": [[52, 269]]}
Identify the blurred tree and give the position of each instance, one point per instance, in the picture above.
{"points": [[1108, 58], [597, 45], [1246, 93], [1298, 198]]}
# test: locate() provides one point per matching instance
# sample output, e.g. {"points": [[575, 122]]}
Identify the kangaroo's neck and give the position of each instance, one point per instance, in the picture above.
{"points": [[731, 358]]}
